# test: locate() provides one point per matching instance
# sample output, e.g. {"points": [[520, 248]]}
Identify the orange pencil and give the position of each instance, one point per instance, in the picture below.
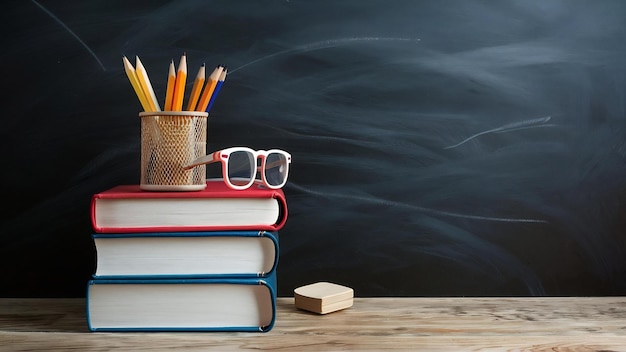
{"points": [[169, 93], [179, 87], [197, 87], [218, 86], [208, 89]]}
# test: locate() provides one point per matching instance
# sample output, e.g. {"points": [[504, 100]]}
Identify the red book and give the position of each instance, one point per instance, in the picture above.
{"points": [[127, 208]]}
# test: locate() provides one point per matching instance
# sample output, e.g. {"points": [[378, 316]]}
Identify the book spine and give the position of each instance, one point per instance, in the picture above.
{"points": [[282, 204], [92, 213], [273, 235]]}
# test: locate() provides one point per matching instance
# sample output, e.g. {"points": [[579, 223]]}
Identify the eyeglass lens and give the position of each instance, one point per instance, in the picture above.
{"points": [[275, 169], [241, 168]]}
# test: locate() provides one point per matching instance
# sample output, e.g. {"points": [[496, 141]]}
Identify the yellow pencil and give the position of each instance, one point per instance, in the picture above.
{"points": [[169, 94], [197, 87], [134, 81], [142, 75], [208, 89], [179, 87]]}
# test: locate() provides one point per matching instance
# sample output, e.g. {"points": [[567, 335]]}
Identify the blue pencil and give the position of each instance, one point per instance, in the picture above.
{"points": [[218, 86]]}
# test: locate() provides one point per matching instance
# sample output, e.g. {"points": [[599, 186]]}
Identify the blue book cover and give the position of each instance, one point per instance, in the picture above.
{"points": [[174, 255], [218, 304]]}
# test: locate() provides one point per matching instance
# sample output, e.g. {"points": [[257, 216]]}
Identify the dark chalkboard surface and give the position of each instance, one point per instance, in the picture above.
{"points": [[439, 147]]}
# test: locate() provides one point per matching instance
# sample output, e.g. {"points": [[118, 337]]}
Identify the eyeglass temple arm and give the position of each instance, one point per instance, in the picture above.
{"points": [[205, 159], [271, 165]]}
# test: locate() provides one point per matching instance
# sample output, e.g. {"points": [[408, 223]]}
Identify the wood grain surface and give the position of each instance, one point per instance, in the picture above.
{"points": [[424, 324]]}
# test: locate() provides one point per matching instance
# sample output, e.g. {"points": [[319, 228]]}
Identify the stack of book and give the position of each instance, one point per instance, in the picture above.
{"points": [[185, 261]]}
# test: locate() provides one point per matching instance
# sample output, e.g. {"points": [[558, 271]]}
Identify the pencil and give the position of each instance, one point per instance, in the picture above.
{"points": [[209, 88], [197, 87], [134, 81], [179, 87], [171, 80], [142, 75], [220, 82]]}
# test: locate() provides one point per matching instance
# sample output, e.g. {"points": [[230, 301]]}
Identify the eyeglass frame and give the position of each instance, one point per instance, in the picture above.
{"points": [[223, 155]]}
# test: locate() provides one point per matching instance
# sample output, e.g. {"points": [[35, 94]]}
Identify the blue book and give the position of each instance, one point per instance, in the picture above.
{"points": [[163, 255], [219, 304]]}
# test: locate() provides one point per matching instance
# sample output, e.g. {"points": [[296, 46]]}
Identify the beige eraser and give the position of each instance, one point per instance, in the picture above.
{"points": [[323, 297]]}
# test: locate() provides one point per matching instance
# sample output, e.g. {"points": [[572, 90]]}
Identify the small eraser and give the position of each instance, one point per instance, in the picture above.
{"points": [[323, 297]]}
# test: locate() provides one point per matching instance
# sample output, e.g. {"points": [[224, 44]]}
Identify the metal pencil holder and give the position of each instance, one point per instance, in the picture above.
{"points": [[169, 141]]}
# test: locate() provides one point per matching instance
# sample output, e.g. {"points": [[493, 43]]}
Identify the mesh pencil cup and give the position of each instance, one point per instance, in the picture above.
{"points": [[169, 141]]}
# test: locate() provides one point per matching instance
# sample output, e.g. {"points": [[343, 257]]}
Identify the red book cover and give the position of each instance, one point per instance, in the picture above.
{"points": [[127, 208]]}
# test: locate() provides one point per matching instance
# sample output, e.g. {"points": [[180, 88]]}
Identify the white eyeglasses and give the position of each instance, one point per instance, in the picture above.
{"points": [[239, 166]]}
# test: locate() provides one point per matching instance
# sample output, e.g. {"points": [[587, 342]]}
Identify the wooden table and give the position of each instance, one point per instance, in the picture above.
{"points": [[424, 324]]}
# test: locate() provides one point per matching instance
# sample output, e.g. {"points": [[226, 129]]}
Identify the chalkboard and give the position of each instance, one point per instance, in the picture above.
{"points": [[439, 147]]}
